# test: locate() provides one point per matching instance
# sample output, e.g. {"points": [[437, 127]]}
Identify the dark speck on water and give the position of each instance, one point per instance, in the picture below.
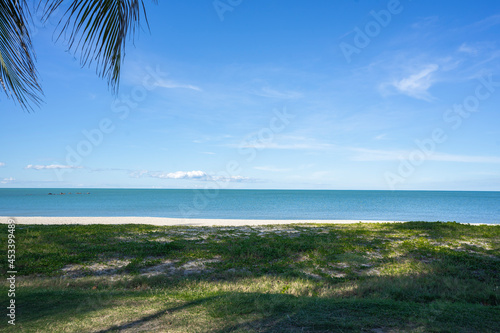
{"points": [[460, 206]]}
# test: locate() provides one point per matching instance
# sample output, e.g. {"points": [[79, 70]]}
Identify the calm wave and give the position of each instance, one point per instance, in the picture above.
{"points": [[460, 206]]}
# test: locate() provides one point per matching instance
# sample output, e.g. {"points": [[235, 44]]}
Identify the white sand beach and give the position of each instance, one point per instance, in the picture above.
{"points": [[164, 221]]}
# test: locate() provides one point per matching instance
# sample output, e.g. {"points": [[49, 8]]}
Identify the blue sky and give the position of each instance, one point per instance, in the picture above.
{"points": [[273, 94]]}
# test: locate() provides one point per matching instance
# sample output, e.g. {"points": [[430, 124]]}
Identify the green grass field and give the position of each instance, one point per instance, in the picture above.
{"points": [[395, 277]]}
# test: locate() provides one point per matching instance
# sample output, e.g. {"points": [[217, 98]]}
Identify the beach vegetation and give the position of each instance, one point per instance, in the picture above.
{"points": [[388, 277]]}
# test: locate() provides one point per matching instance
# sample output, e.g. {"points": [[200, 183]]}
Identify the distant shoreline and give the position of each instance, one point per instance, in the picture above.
{"points": [[165, 221]]}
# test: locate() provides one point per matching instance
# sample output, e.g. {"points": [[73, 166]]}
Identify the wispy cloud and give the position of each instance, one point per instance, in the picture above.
{"points": [[7, 180], [271, 169], [212, 138], [416, 85], [107, 169], [465, 48], [190, 175], [485, 23], [138, 173], [2, 164], [290, 146], [380, 136], [284, 142], [371, 155], [464, 158], [272, 93], [169, 84], [199, 175], [52, 166], [425, 22]]}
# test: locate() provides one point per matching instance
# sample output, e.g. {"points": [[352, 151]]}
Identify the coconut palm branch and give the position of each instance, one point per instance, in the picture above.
{"points": [[18, 76], [94, 30], [97, 30]]}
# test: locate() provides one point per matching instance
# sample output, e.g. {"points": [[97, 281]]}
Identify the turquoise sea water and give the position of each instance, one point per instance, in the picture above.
{"points": [[459, 206]]}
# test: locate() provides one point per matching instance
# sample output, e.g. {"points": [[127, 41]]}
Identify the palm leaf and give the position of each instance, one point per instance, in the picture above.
{"points": [[97, 30], [18, 76]]}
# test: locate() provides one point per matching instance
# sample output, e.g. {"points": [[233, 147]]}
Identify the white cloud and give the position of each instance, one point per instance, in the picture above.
{"points": [[181, 175], [2, 164], [7, 180], [237, 179], [193, 175], [138, 173], [416, 85], [52, 166], [175, 85]]}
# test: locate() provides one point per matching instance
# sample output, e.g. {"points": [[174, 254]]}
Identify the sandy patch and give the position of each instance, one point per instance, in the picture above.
{"points": [[163, 221]]}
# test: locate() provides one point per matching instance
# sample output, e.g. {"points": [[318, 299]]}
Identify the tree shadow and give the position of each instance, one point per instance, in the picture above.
{"points": [[287, 313], [405, 305], [144, 320]]}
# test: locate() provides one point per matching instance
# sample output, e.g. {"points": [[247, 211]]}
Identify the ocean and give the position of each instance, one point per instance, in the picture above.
{"points": [[459, 206]]}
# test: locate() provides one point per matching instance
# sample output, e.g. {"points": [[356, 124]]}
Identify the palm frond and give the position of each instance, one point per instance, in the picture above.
{"points": [[98, 30], [18, 76]]}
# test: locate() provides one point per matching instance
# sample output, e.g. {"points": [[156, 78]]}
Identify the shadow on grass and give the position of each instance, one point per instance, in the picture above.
{"points": [[257, 312], [47, 249], [254, 312], [145, 320], [449, 295], [285, 313]]}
